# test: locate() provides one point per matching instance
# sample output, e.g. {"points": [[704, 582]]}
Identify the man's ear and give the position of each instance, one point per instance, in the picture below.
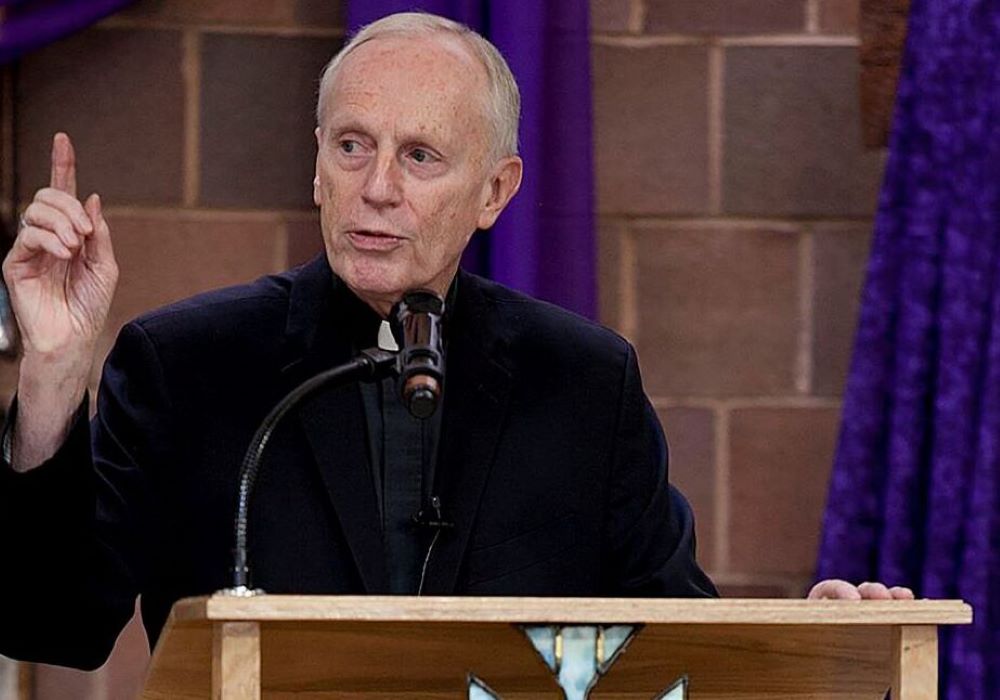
{"points": [[503, 184], [319, 150]]}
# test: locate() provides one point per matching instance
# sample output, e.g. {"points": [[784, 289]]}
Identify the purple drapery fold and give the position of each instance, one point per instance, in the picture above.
{"points": [[915, 493], [543, 244], [31, 24]]}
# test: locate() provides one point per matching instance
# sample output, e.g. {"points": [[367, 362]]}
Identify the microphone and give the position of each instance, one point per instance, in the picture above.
{"points": [[417, 320]]}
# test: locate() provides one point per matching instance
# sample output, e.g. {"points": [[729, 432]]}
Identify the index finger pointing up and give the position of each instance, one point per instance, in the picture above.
{"points": [[63, 164]]}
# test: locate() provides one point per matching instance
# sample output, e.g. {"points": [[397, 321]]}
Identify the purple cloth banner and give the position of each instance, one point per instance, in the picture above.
{"points": [[543, 244], [30, 24], [916, 480]]}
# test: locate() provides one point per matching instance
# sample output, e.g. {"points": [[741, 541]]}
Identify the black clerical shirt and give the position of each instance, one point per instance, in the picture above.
{"points": [[402, 453]]}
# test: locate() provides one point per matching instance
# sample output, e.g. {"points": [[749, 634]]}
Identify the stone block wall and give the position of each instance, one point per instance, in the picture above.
{"points": [[734, 198]]}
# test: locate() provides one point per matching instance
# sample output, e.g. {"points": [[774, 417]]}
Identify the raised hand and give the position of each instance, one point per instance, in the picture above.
{"points": [[61, 270], [61, 275]]}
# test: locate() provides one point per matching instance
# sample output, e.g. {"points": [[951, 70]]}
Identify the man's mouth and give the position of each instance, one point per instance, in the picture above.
{"points": [[374, 240]]}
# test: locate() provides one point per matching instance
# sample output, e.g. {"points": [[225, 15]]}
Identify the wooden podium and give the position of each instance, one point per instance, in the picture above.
{"points": [[360, 647]]}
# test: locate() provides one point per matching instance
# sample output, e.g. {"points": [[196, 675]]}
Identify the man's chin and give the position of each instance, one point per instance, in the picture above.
{"points": [[378, 283], [380, 291]]}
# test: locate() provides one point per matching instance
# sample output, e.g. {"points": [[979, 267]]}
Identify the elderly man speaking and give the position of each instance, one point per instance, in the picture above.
{"points": [[547, 459]]}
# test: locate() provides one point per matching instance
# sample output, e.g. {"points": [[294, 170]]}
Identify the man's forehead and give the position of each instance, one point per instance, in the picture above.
{"points": [[437, 57], [422, 86]]}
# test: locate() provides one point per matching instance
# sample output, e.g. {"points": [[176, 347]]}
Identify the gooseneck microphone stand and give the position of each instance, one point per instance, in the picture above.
{"points": [[371, 365], [420, 366]]}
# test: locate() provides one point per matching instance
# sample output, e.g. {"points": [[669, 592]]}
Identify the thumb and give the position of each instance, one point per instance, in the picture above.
{"points": [[98, 245]]}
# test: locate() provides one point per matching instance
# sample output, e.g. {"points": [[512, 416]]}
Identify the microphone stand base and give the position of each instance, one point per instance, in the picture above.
{"points": [[241, 592]]}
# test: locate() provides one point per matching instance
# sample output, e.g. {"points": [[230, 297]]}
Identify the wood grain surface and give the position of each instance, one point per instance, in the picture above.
{"points": [[579, 610], [369, 647], [236, 661]]}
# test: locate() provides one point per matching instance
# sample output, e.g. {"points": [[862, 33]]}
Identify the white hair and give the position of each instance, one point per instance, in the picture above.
{"points": [[502, 104]]}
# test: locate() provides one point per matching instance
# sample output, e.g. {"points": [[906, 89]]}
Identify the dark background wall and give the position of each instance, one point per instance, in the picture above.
{"points": [[734, 194]]}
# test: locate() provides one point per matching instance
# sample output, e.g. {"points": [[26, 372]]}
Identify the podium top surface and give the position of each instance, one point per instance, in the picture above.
{"points": [[736, 611]]}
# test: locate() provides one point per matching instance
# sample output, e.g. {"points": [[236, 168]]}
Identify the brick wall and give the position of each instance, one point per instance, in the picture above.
{"points": [[194, 121], [734, 198], [735, 204]]}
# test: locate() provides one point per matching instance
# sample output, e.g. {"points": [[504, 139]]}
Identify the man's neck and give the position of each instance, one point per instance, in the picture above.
{"points": [[383, 305]]}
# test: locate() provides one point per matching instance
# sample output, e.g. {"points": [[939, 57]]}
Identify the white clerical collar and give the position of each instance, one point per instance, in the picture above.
{"points": [[386, 341]]}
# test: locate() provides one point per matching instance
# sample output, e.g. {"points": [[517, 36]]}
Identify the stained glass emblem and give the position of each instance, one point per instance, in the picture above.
{"points": [[578, 656]]}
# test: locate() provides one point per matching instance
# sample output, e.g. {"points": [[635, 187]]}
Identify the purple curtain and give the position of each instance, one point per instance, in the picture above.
{"points": [[916, 480], [543, 244], [30, 24]]}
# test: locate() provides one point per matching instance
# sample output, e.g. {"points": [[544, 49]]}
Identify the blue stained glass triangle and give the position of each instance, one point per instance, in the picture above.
{"points": [[479, 690], [678, 691]]}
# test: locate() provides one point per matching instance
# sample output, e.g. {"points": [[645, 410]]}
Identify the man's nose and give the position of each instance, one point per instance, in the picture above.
{"points": [[383, 186]]}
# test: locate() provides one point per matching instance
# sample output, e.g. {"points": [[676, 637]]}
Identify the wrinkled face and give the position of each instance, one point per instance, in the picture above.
{"points": [[402, 176]]}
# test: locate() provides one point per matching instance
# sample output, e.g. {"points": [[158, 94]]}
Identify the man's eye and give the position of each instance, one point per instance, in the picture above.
{"points": [[420, 155], [349, 146]]}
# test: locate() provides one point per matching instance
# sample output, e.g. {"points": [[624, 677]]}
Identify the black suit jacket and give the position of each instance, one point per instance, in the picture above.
{"points": [[552, 465]]}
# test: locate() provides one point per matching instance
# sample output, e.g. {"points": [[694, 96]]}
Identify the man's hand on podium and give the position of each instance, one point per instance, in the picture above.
{"points": [[836, 589], [61, 275]]}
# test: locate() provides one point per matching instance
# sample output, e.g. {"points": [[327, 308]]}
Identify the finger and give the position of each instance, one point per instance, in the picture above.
{"points": [[63, 164], [901, 593], [41, 215], [99, 248], [834, 589], [68, 205], [871, 590], [33, 240]]}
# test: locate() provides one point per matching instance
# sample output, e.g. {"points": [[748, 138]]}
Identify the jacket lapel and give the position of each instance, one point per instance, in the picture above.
{"points": [[333, 420], [476, 395]]}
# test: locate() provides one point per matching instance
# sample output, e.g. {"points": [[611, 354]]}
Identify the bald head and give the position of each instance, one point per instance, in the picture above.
{"points": [[500, 99]]}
